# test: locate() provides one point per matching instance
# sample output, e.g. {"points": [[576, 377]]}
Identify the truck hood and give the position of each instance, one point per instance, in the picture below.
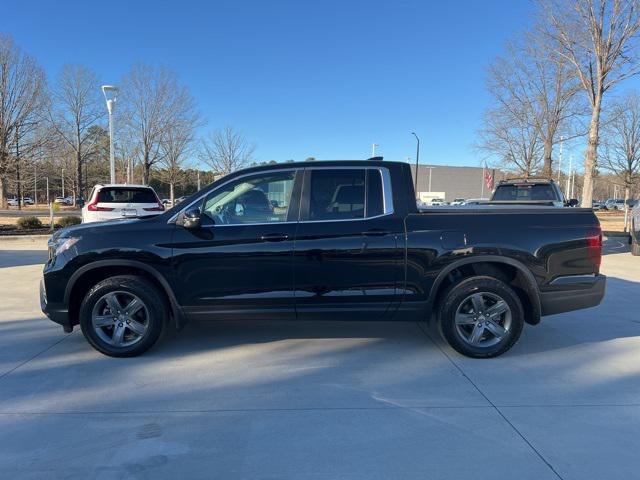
{"points": [[99, 227]]}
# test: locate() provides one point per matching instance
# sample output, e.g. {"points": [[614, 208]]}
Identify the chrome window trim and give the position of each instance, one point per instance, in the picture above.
{"points": [[387, 195]]}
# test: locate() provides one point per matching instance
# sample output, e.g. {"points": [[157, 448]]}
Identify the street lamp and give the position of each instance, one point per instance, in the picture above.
{"points": [[415, 186], [63, 182], [110, 93]]}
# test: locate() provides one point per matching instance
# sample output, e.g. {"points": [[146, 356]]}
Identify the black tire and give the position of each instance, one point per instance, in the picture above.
{"points": [[458, 296], [155, 314]]}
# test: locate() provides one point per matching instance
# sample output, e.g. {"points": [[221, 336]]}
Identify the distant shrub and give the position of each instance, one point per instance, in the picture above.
{"points": [[68, 221], [28, 223]]}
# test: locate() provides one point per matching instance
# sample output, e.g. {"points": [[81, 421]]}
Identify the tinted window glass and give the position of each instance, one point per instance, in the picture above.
{"points": [[259, 199], [336, 194], [540, 192], [126, 195], [374, 193]]}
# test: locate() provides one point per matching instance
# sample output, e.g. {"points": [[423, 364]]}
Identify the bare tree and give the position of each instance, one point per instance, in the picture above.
{"points": [[152, 99], [76, 105], [177, 145], [226, 151], [21, 86], [537, 86], [622, 146], [599, 38], [508, 136]]}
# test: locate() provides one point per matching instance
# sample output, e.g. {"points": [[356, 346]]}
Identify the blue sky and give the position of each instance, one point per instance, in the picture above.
{"points": [[299, 78]]}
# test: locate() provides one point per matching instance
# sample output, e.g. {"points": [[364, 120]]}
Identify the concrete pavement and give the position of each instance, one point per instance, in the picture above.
{"points": [[321, 400]]}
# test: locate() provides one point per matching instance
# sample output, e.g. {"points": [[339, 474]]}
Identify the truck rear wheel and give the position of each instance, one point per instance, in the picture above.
{"points": [[123, 316], [481, 317]]}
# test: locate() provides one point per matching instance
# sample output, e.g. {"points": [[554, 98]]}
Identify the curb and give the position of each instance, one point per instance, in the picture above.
{"points": [[28, 238]]}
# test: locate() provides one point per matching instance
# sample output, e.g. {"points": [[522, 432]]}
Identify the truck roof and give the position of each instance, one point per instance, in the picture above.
{"points": [[511, 181], [324, 163]]}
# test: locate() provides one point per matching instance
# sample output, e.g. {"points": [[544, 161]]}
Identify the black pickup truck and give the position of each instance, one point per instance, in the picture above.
{"points": [[323, 240]]}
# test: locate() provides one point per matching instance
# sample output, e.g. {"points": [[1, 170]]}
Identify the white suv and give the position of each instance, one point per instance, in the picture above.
{"points": [[109, 202]]}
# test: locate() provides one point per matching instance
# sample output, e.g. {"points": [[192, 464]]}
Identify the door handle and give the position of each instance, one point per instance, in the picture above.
{"points": [[375, 232], [274, 237]]}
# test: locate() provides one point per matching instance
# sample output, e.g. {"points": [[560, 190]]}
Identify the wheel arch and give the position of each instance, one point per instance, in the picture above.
{"points": [[523, 282], [87, 276]]}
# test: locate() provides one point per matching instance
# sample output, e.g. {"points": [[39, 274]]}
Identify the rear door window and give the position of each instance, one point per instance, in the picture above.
{"points": [[344, 194], [336, 194], [126, 195]]}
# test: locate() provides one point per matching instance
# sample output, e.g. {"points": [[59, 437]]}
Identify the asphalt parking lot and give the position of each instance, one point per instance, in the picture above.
{"points": [[321, 400]]}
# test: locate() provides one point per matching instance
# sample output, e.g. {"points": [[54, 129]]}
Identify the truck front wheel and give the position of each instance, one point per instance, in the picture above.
{"points": [[481, 317], [123, 316]]}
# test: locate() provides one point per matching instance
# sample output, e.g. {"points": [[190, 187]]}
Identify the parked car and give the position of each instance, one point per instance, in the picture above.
{"points": [[12, 202], [110, 202], [346, 242], [27, 201], [534, 190], [458, 201], [166, 202], [598, 205], [614, 204], [62, 201], [475, 201]]}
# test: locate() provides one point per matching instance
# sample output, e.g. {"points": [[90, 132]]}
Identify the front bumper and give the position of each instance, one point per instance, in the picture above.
{"points": [[56, 313], [573, 293]]}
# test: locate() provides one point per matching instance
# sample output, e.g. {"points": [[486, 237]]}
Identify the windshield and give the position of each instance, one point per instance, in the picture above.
{"points": [[526, 192], [127, 195]]}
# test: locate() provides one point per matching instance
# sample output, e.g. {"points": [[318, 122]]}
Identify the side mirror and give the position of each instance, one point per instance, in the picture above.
{"points": [[573, 202], [192, 219]]}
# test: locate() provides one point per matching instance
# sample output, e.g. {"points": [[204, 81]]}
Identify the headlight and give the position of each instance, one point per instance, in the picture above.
{"points": [[61, 245]]}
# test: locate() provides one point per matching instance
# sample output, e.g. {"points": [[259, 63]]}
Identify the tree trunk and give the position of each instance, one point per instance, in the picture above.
{"points": [[145, 173], [591, 156], [171, 192], [547, 169], [626, 206], [146, 168], [78, 177], [3, 191]]}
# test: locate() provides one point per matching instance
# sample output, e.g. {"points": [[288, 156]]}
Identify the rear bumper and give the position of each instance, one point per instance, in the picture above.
{"points": [[573, 293], [56, 313]]}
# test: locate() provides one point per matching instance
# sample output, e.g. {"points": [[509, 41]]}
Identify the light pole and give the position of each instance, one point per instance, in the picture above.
{"points": [[198, 171], [415, 186], [47, 179], [110, 93], [568, 187], [63, 182], [35, 185], [373, 149], [560, 159], [430, 171]]}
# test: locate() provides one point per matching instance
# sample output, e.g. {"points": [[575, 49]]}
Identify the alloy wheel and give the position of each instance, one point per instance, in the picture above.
{"points": [[120, 318], [483, 319]]}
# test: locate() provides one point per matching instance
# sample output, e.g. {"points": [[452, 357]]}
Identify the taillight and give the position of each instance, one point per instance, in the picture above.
{"points": [[159, 208], [93, 207], [594, 247]]}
